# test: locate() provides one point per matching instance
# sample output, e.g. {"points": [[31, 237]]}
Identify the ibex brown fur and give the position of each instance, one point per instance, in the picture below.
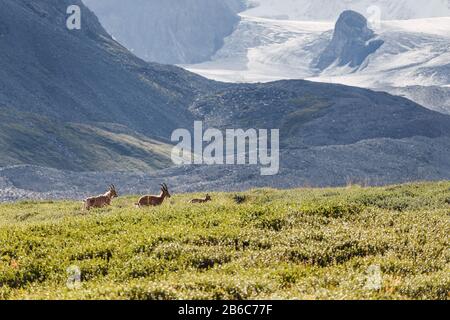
{"points": [[102, 200], [147, 201], [206, 199]]}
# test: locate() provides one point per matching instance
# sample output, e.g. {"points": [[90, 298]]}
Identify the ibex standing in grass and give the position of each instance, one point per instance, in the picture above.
{"points": [[101, 201], [147, 201], [206, 199]]}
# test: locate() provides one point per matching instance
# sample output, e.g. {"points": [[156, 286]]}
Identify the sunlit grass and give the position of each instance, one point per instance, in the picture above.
{"points": [[260, 244]]}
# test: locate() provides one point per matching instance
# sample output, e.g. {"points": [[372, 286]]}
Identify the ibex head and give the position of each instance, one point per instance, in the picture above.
{"points": [[164, 190], [112, 191], [208, 197]]}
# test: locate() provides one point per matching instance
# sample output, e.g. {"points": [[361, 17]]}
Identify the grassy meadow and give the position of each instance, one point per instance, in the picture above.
{"points": [[259, 244]]}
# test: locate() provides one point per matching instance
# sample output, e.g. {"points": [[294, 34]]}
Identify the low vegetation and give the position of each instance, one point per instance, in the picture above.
{"points": [[346, 243], [28, 138]]}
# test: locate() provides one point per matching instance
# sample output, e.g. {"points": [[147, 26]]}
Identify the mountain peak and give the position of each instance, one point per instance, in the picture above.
{"points": [[353, 41], [354, 22]]}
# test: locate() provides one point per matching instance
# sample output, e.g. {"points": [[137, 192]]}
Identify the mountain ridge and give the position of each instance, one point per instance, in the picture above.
{"points": [[81, 102], [351, 44]]}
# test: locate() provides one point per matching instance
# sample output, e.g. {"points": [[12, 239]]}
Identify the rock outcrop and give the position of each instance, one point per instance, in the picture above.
{"points": [[351, 44]]}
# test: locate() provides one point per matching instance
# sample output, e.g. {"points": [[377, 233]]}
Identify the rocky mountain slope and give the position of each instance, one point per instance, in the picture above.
{"points": [[317, 114], [353, 41], [367, 163], [433, 97], [79, 101]]}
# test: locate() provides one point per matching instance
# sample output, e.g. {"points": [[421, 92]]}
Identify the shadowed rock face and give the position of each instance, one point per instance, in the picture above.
{"points": [[69, 96], [169, 31], [351, 44], [84, 75]]}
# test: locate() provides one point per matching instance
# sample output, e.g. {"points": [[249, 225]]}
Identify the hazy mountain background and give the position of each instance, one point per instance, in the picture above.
{"points": [[169, 31], [78, 100], [267, 40], [329, 10], [79, 111], [408, 56], [191, 31]]}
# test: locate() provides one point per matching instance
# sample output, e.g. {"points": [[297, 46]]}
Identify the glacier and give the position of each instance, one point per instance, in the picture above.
{"points": [[416, 52]]}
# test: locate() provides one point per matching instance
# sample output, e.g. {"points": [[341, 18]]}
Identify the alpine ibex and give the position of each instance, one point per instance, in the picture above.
{"points": [[102, 200], [147, 201], [206, 199]]}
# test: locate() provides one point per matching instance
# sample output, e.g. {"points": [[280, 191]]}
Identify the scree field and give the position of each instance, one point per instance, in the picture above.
{"points": [[345, 243]]}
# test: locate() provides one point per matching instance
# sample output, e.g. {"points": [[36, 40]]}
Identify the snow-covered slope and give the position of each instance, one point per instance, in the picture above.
{"points": [[415, 53], [329, 10], [265, 49], [208, 38], [413, 62], [407, 58]]}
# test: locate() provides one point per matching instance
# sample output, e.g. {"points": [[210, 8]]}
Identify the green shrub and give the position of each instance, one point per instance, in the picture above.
{"points": [[263, 244]]}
